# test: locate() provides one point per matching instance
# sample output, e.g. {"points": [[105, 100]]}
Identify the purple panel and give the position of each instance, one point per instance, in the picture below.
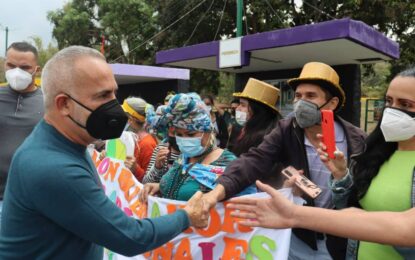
{"points": [[150, 71], [330, 30], [202, 50], [335, 29], [297, 35], [369, 37]]}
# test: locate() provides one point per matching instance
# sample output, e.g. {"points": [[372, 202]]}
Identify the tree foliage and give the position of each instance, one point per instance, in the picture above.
{"points": [[44, 54], [124, 24], [75, 24], [375, 79], [136, 29]]}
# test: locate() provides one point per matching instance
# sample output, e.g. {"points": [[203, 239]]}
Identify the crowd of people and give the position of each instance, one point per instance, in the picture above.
{"points": [[193, 149]]}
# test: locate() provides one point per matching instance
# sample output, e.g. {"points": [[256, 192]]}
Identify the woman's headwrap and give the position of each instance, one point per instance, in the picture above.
{"points": [[153, 124], [169, 96], [186, 111]]}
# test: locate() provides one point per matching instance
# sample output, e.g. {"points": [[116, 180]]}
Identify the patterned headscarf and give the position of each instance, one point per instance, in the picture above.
{"points": [[187, 111], [153, 124]]}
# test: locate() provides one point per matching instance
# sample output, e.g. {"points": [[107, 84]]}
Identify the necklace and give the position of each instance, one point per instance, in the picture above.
{"points": [[182, 174]]}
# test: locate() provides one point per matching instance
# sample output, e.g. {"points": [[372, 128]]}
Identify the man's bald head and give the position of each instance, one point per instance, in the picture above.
{"points": [[60, 72]]}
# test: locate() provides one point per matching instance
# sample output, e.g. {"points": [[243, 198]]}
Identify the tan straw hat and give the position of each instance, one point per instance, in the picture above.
{"points": [[261, 92], [322, 75]]}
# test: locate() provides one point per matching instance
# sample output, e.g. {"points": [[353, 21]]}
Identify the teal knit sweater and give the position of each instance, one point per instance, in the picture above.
{"points": [[54, 207]]}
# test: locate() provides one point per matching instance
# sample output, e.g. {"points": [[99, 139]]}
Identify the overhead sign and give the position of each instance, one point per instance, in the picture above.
{"points": [[230, 53]]}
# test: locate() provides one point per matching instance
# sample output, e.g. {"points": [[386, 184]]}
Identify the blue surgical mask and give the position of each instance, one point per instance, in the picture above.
{"points": [[190, 146]]}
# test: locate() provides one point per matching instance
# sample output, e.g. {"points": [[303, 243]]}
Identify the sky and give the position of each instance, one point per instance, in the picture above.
{"points": [[26, 18]]}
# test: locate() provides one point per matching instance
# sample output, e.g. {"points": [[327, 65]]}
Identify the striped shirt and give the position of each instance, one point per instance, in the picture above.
{"points": [[319, 174], [153, 175]]}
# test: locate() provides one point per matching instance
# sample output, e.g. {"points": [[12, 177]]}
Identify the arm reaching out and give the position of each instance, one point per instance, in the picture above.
{"points": [[395, 228]]}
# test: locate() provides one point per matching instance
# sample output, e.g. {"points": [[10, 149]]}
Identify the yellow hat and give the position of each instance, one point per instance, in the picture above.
{"points": [[261, 92], [322, 75]]}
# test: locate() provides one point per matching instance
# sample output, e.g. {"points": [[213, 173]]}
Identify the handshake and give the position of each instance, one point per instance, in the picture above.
{"points": [[198, 207]]}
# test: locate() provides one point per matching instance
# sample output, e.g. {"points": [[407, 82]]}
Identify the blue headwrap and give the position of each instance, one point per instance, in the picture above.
{"points": [[186, 111]]}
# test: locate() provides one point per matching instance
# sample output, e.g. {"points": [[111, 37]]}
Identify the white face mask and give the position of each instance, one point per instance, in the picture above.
{"points": [[397, 125], [18, 79], [240, 117]]}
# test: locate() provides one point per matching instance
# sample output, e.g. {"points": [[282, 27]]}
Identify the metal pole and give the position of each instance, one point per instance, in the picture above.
{"points": [[7, 39], [239, 13], [366, 113]]}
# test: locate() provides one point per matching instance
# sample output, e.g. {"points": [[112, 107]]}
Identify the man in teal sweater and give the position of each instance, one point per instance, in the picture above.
{"points": [[54, 205]]}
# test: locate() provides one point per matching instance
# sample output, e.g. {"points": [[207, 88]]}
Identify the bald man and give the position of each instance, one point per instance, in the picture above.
{"points": [[54, 204]]}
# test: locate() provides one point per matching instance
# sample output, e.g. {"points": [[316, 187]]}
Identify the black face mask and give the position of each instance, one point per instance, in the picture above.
{"points": [[105, 122], [172, 143]]}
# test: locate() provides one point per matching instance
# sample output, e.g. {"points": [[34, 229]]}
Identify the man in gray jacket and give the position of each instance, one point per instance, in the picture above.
{"points": [[294, 143]]}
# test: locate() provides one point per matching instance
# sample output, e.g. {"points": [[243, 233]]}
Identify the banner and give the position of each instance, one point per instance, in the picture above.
{"points": [[121, 147], [223, 239]]}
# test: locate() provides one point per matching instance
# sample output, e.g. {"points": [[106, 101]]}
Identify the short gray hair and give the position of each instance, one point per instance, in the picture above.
{"points": [[58, 73]]}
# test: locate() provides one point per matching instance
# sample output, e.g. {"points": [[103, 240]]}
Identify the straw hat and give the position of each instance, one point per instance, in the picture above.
{"points": [[322, 75], [261, 92]]}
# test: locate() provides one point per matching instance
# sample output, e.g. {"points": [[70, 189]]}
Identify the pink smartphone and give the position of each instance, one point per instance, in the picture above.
{"points": [[327, 125], [307, 186]]}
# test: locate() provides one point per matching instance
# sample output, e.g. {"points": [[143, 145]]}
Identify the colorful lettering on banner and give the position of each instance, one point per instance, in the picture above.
{"points": [[120, 185], [223, 239]]}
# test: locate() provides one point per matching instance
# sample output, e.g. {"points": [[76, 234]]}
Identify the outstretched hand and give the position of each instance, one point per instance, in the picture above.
{"points": [[274, 212]]}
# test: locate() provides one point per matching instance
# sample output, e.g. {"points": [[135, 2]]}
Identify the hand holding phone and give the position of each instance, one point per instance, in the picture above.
{"points": [[307, 186], [327, 125]]}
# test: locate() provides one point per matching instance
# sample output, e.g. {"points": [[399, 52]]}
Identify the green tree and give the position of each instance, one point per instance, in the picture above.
{"points": [[44, 53], [124, 24], [395, 18], [75, 24], [128, 24], [139, 26], [375, 79]]}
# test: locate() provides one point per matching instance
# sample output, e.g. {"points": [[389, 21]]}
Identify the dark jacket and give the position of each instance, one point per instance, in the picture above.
{"points": [[235, 131], [285, 144], [222, 135]]}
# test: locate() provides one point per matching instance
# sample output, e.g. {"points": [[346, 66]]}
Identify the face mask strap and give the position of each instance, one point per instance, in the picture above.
{"points": [[78, 124], [79, 103], [409, 113], [325, 103], [34, 72]]}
